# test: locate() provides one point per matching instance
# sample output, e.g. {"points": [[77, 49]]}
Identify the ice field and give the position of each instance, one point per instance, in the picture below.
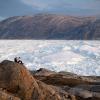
{"points": [[80, 57]]}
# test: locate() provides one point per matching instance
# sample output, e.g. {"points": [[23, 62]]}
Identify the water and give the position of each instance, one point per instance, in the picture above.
{"points": [[80, 57]]}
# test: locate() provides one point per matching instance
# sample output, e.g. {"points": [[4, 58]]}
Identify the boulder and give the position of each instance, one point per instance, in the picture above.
{"points": [[17, 83], [17, 80], [80, 87], [64, 79], [6, 96], [43, 72]]}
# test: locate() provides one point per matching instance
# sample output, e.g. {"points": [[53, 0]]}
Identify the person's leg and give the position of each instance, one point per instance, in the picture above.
{"points": [[20, 62]]}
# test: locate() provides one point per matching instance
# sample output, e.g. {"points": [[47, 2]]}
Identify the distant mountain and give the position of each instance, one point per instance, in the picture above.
{"points": [[50, 26]]}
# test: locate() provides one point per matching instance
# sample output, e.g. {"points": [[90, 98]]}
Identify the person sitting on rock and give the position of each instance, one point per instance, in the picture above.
{"points": [[18, 60]]}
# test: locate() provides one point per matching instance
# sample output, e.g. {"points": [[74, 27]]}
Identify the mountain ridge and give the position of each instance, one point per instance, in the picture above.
{"points": [[50, 26]]}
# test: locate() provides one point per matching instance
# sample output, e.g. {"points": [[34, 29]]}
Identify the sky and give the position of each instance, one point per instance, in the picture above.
{"points": [[10, 8]]}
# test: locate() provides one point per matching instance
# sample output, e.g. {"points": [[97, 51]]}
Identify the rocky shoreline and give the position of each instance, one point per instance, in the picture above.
{"points": [[18, 83]]}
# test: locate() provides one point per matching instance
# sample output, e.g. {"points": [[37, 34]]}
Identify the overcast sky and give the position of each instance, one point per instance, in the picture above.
{"points": [[10, 8]]}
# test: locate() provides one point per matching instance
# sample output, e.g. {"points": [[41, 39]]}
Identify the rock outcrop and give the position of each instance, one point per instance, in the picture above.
{"points": [[64, 78], [81, 87], [43, 72], [6, 96], [17, 80], [17, 83], [50, 26]]}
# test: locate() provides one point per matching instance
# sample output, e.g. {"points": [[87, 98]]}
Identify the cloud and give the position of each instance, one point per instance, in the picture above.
{"points": [[1, 18], [46, 4], [10, 8], [36, 4], [74, 6], [62, 3], [29, 7]]}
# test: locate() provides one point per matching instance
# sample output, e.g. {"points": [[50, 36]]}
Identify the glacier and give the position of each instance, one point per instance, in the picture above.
{"points": [[79, 57]]}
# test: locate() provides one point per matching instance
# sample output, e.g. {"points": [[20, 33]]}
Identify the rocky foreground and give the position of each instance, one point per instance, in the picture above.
{"points": [[17, 83]]}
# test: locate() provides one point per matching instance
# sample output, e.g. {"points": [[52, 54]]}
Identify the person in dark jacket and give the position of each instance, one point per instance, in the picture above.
{"points": [[18, 60]]}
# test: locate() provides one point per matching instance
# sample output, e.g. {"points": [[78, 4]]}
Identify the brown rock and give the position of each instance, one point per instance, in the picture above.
{"points": [[62, 80], [17, 83], [43, 72], [17, 80], [7, 96], [80, 87]]}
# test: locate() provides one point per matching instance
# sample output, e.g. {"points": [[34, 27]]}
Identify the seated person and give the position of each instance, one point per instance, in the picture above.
{"points": [[18, 60]]}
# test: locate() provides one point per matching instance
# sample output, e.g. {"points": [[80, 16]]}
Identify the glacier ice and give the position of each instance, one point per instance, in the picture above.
{"points": [[80, 57]]}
